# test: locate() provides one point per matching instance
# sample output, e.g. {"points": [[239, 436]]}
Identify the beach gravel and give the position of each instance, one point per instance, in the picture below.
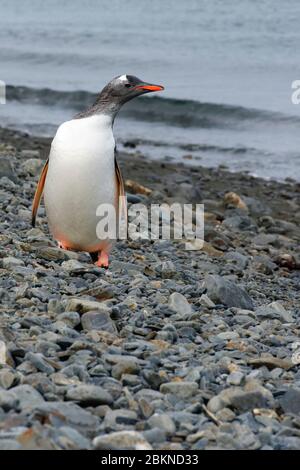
{"points": [[169, 348]]}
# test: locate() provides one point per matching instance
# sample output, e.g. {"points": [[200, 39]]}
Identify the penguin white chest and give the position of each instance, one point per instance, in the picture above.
{"points": [[81, 176]]}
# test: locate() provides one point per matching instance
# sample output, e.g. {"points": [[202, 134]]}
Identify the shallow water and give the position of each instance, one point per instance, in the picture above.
{"points": [[227, 68]]}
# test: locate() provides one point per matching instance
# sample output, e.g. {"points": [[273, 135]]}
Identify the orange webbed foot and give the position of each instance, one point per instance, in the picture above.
{"points": [[102, 261]]}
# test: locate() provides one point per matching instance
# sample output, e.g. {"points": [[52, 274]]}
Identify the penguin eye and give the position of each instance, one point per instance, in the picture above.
{"points": [[128, 85]]}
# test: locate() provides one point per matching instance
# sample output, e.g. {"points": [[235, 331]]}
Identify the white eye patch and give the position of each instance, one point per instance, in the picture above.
{"points": [[123, 78]]}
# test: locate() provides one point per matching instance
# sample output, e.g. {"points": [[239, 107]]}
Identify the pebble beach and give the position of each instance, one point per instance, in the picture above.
{"points": [[169, 348]]}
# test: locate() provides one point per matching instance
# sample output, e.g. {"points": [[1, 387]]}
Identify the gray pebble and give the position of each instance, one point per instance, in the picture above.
{"points": [[89, 395]]}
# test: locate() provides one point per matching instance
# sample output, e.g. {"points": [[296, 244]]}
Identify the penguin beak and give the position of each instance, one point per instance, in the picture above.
{"points": [[147, 87]]}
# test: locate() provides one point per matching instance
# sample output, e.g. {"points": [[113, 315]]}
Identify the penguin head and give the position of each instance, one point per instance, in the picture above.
{"points": [[126, 87]]}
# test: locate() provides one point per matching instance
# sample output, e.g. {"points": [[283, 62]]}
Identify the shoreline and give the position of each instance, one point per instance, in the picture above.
{"points": [[168, 349], [135, 145], [24, 141]]}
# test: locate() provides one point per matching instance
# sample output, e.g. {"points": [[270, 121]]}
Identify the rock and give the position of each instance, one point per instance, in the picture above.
{"points": [[37, 438], [6, 168], [28, 397], [51, 253], [71, 265], [179, 304], [237, 436], [133, 198], [24, 214], [164, 422], [271, 362], [211, 250], [286, 443], [10, 262], [290, 401], [67, 414], [199, 435], [237, 258], [39, 362], [185, 191], [251, 396], [167, 269], [206, 301], [122, 440], [153, 378], [84, 305], [197, 244], [225, 292], [7, 185], [8, 400], [3, 353], [118, 358], [264, 239], [257, 207], [9, 444], [117, 420], [33, 166], [225, 415], [233, 199], [71, 439], [286, 260], [72, 319], [180, 389], [155, 435], [168, 333], [7, 378], [89, 395], [130, 380], [125, 366], [121, 266], [55, 306], [274, 310], [235, 378], [263, 264], [238, 223], [228, 335], [137, 188], [97, 320], [30, 153], [145, 407]]}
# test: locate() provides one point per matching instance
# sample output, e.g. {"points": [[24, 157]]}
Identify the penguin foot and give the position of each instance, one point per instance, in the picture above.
{"points": [[102, 261]]}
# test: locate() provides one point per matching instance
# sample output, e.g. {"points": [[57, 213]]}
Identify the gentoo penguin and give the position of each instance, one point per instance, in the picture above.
{"points": [[82, 172]]}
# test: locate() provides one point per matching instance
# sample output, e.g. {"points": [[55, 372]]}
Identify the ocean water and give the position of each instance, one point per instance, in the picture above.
{"points": [[227, 67]]}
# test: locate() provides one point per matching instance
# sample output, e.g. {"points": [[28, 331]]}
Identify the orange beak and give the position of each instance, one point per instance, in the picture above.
{"points": [[149, 87]]}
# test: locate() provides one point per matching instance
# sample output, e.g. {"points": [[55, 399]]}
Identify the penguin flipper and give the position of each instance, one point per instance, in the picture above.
{"points": [[38, 193]]}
